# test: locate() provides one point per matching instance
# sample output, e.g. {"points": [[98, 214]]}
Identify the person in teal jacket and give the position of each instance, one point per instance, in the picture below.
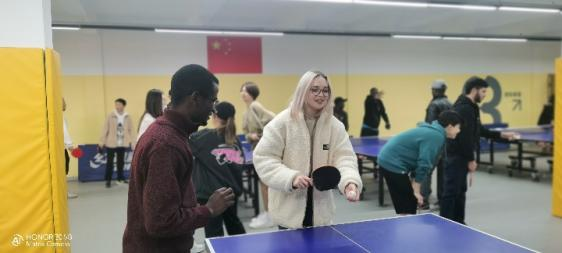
{"points": [[407, 158]]}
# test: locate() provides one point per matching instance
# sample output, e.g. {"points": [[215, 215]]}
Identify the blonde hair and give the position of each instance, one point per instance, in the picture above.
{"points": [[297, 103]]}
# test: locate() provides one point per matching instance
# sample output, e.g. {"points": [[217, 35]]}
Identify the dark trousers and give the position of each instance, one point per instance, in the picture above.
{"points": [[401, 192], [230, 220], [440, 178], [453, 201], [369, 132], [120, 163], [66, 161], [308, 220]]}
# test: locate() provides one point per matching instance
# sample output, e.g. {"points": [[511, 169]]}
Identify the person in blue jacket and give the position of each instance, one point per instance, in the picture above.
{"points": [[407, 158]]}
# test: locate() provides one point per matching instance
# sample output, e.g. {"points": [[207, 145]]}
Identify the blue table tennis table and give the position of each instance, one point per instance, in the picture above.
{"points": [[419, 233], [370, 147], [366, 146], [251, 177], [542, 133], [534, 134]]}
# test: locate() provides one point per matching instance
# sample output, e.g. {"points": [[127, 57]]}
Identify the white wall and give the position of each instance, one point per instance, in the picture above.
{"points": [[149, 53], [25, 23], [297, 54], [80, 51], [428, 56]]}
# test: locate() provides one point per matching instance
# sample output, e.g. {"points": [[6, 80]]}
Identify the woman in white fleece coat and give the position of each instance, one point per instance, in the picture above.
{"points": [[302, 138]]}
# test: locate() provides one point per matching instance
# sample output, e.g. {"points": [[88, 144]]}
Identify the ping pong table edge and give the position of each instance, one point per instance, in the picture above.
{"points": [[482, 232], [211, 249]]}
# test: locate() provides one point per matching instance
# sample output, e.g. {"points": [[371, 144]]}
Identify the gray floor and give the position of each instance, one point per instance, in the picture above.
{"points": [[516, 209]]}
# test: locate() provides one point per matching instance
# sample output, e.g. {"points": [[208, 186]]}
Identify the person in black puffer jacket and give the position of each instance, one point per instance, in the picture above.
{"points": [[218, 162], [438, 104]]}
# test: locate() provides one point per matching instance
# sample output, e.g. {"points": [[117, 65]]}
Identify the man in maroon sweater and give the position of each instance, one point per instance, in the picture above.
{"points": [[162, 211]]}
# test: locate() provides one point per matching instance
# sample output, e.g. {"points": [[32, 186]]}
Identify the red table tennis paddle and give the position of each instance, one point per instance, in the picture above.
{"points": [[77, 152]]}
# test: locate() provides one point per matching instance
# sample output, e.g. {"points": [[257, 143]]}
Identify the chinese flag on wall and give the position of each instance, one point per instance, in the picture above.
{"points": [[234, 54]]}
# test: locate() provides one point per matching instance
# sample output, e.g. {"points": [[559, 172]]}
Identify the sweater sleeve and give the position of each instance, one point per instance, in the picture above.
{"points": [[487, 133], [345, 159], [367, 106], [268, 159], [383, 113], [132, 132], [264, 116], [429, 149], [465, 139], [164, 213]]}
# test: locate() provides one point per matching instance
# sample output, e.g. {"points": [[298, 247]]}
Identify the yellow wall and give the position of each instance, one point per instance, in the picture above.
{"points": [[406, 97], [90, 98]]}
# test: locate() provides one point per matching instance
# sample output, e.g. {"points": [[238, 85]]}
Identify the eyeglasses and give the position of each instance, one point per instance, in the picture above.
{"points": [[316, 91]]}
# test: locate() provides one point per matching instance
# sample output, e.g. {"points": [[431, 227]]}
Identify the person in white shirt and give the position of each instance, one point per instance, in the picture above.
{"points": [[68, 146], [153, 108]]}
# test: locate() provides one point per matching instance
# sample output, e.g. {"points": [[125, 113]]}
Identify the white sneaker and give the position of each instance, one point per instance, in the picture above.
{"points": [[262, 221], [260, 216], [71, 195], [121, 182], [197, 247]]}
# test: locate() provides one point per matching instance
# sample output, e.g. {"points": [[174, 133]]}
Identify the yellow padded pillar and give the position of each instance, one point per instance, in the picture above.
{"points": [[557, 163], [33, 213]]}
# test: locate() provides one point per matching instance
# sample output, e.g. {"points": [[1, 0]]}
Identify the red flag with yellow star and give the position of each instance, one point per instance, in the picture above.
{"points": [[234, 54]]}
